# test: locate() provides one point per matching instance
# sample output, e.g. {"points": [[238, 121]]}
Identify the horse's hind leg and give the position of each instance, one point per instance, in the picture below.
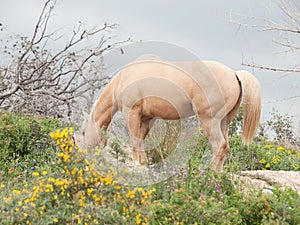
{"points": [[225, 129], [213, 131], [223, 150]]}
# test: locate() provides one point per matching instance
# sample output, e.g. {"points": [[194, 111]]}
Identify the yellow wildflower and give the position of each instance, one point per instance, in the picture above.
{"points": [[276, 159], [280, 148], [89, 191], [140, 189], [73, 171], [35, 174], [262, 161], [138, 218], [295, 166], [66, 157], [45, 173], [17, 192], [130, 194], [268, 146], [7, 200]]}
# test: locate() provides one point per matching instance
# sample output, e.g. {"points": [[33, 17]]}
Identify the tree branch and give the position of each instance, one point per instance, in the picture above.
{"points": [[271, 68]]}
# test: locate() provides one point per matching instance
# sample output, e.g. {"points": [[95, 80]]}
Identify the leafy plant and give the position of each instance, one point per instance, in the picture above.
{"points": [[279, 158], [204, 197], [82, 192], [25, 142], [240, 156]]}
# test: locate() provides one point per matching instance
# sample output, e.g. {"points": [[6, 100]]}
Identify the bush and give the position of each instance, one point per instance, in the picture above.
{"points": [[274, 157], [256, 156], [240, 156], [25, 142], [81, 192]]}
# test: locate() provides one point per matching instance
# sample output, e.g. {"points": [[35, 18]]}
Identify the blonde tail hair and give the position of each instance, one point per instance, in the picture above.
{"points": [[251, 104]]}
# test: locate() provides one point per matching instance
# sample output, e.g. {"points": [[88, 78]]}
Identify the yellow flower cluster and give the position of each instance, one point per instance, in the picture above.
{"points": [[279, 158], [78, 190]]}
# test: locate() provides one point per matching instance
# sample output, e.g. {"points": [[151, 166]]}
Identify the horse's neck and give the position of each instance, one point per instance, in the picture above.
{"points": [[102, 111]]}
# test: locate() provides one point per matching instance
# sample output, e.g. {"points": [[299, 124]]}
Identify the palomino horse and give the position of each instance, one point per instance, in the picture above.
{"points": [[148, 89]]}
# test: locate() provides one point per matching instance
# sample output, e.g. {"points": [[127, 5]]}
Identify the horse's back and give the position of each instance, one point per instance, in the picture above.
{"points": [[203, 84]]}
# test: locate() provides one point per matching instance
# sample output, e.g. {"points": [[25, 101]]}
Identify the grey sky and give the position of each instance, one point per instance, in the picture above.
{"points": [[199, 26]]}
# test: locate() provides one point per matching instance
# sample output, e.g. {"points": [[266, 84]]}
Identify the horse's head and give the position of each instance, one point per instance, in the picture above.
{"points": [[88, 136]]}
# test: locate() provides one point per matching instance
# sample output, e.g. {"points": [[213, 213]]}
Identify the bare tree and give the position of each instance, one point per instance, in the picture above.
{"points": [[287, 30], [56, 82]]}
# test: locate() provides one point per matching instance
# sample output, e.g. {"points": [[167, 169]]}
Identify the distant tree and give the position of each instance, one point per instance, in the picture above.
{"points": [[40, 76]]}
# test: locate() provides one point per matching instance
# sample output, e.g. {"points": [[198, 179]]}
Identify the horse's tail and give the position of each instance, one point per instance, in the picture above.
{"points": [[251, 104]]}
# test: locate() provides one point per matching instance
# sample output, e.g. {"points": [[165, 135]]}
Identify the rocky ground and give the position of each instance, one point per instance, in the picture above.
{"points": [[267, 179]]}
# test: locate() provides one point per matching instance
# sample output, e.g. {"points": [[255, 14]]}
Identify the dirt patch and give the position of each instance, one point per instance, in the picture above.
{"points": [[267, 179]]}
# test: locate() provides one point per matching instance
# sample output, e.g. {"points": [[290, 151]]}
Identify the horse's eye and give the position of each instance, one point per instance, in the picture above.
{"points": [[83, 133]]}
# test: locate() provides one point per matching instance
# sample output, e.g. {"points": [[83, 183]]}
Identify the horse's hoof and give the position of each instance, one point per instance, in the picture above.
{"points": [[143, 163], [143, 158]]}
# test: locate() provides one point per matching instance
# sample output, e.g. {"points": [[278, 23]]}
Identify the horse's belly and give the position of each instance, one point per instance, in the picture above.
{"points": [[169, 110]]}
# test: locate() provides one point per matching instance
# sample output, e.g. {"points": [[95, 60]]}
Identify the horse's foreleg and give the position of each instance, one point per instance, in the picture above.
{"points": [[138, 152], [145, 128], [136, 130]]}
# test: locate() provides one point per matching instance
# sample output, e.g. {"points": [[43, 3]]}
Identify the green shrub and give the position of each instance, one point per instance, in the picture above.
{"points": [[183, 208], [240, 156], [274, 157], [256, 156], [25, 141], [80, 192]]}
